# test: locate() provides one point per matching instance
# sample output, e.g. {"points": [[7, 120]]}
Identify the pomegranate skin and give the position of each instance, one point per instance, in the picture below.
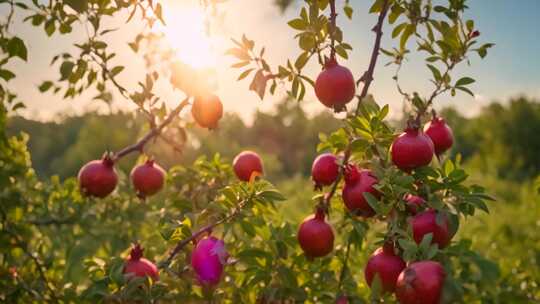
{"points": [[414, 203], [207, 111], [324, 170], [387, 265], [426, 222], [412, 149], [208, 259], [137, 266], [335, 86], [98, 178], [440, 133], [353, 196], [421, 283], [342, 300], [147, 178], [315, 236], [246, 164]]}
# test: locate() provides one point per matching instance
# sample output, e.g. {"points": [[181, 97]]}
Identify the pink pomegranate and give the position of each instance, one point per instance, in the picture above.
{"points": [[440, 133], [335, 86], [387, 265], [147, 178], [324, 170], [98, 178], [421, 283], [137, 266], [208, 259], [412, 149], [353, 192]]}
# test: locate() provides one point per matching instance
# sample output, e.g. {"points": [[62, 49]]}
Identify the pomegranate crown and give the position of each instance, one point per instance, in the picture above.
{"points": [[107, 159], [330, 62], [150, 162], [136, 252], [320, 213]]}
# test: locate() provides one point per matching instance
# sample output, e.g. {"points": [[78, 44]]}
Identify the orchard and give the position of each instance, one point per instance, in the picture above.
{"points": [[388, 198]]}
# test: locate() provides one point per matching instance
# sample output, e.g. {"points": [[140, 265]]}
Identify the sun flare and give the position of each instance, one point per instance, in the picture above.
{"points": [[186, 34]]}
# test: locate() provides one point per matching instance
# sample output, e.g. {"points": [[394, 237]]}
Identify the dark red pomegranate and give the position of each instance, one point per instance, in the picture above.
{"points": [[421, 282], [342, 300], [335, 86], [324, 170], [356, 183], [414, 203], [246, 165], [387, 265], [208, 259], [147, 178], [98, 178], [315, 236], [412, 149], [137, 266], [440, 133], [426, 222], [207, 111]]}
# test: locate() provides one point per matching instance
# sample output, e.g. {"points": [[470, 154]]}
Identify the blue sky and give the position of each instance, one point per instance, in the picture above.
{"points": [[512, 67]]}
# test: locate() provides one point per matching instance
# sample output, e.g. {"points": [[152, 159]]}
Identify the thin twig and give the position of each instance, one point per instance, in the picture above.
{"points": [[345, 264], [208, 228], [332, 31], [139, 146], [368, 75]]}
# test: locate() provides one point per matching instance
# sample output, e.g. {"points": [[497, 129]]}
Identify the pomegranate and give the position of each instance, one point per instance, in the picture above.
{"points": [[208, 259], [440, 133], [335, 86], [421, 282], [207, 111], [414, 203], [98, 178], [147, 178], [246, 165], [387, 265], [137, 266], [324, 170], [412, 149], [353, 191], [426, 222], [315, 235], [342, 300]]}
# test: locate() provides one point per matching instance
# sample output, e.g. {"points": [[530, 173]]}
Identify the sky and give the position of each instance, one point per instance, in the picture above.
{"points": [[511, 68]]}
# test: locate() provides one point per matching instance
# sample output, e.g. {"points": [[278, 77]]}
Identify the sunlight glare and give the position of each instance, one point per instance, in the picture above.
{"points": [[185, 31]]}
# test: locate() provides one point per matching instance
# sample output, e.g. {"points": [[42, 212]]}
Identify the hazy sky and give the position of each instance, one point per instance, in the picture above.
{"points": [[511, 68]]}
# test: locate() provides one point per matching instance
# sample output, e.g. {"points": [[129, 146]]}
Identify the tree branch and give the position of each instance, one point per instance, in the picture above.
{"points": [[332, 33], [183, 243], [367, 78], [139, 146]]}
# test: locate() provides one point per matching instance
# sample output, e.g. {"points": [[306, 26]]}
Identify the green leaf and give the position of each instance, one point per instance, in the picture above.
{"points": [[45, 86], [464, 81], [6, 75], [436, 73], [409, 30], [466, 90], [78, 5], [397, 30], [348, 11], [301, 61], [117, 70], [16, 47], [298, 24], [245, 74]]}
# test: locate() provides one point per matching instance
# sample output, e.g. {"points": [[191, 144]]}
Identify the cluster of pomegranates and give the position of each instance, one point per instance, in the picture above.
{"points": [[98, 178], [417, 282]]}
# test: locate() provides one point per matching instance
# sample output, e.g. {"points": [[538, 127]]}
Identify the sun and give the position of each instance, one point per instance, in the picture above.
{"points": [[185, 31]]}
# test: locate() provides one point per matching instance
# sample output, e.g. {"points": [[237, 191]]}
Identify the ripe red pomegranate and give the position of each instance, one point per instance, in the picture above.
{"points": [[335, 86], [315, 235], [387, 265], [207, 111], [426, 222], [412, 149], [414, 203], [208, 259], [440, 133], [147, 178], [247, 164], [324, 170], [342, 300], [137, 266], [421, 282], [98, 178], [356, 183]]}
